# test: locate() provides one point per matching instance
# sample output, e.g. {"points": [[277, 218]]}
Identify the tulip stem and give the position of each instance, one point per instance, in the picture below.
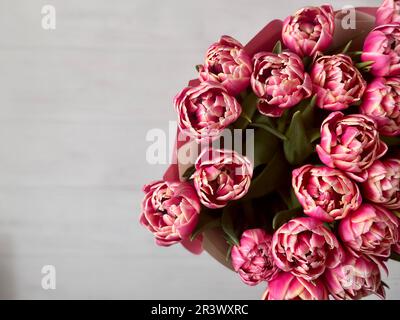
{"points": [[246, 117], [270, 129], [355, 53], [347, 47], [364, 65]]}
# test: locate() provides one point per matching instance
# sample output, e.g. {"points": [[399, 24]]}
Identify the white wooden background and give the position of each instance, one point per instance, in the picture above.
{"points": [[75, 106]]}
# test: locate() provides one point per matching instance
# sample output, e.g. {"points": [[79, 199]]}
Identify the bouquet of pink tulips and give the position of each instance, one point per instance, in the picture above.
{"points": [[287, 160]]}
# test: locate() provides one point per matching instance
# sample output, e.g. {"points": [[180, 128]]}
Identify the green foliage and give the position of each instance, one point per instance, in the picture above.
{"points": [[364, 66], [280, 145], [391, 141], [229, 223], [277, 48], [289, 197], [307, 109], [208, 219], [265, 146], [282, 217], [274, 174], [188, 173], [347, 47], [298, 147], [395, 256], [249, 108], [301, 131], [270, 129]]}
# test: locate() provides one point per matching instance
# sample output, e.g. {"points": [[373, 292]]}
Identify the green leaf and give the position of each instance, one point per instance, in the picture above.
{"points": [[228, 252], [265, 146], [347, 47], [308, 111], [198, 67], [314, 135], [245, 117], [313, 101], [277, 48], [282, 217], [363, 65], [261, 119], [270, 179], [270, 129], [289, 197], [229, 241], [395, 256], [391, 141], [298, 147], [249, 108], [188, 173], [397, 213], [385, 284], [284, 192], [282, 121], [228, 225], [328, 225], [295, 201], [207, 221], [355, 53]]}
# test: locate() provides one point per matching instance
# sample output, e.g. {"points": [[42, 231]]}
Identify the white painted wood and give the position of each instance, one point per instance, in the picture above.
{"points": [[75, 106]]}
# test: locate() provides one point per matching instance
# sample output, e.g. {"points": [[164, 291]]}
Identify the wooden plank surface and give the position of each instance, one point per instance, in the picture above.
{"points": [[75, 106]]}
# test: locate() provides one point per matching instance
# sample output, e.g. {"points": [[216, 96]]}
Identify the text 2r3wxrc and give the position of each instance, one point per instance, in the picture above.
{"points": [[201, 309]]}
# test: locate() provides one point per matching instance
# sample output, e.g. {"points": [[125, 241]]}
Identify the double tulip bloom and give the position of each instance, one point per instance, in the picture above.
{"points": [[279, 80], [371, 230], [381, 102], [337, 82], [170, 211], [396, 247], [221, 176], [350, 143], [252, 258], [382, 47], [309, 30], [325, 193], [227, 63], [354, 278], [388, 12], [288, 287], [306, 248], [383, 183], [204, 111]]}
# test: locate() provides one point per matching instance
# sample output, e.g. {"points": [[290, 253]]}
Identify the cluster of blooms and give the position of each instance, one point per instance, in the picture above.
{"points": [[348, 228]]}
